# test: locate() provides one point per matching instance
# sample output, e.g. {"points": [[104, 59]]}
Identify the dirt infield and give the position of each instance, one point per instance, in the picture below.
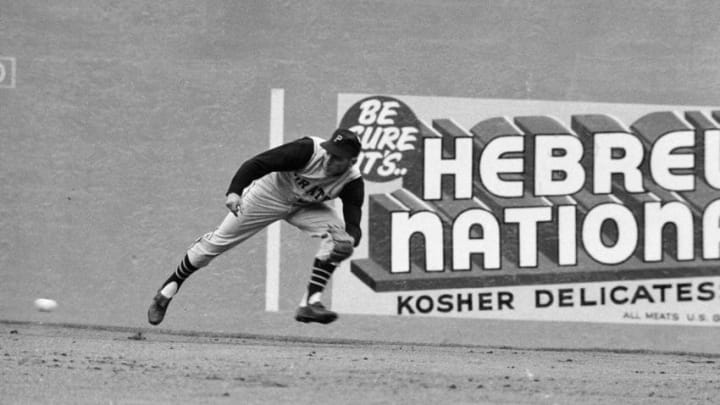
{"points": [[80, 365], [126, 121]]}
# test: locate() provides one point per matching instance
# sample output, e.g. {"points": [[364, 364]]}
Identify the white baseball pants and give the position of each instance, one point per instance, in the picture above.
{"points": [[259, 208]]}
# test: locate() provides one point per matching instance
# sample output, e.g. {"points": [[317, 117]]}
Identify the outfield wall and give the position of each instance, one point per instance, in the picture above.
{"points": [[122, 125]]}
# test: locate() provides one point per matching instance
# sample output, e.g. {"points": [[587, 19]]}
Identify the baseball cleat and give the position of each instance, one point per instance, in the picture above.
{"points": [[315, 313], [157, 309]]}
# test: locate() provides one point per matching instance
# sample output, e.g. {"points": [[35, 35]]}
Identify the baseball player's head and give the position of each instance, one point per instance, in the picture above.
{"points": [[343, 149]]}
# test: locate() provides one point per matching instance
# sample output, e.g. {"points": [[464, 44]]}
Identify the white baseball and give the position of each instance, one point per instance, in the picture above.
{"points": [[45, 304]]}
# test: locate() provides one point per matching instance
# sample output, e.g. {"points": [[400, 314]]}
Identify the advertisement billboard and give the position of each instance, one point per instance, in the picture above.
{"points": [[535, 210]]}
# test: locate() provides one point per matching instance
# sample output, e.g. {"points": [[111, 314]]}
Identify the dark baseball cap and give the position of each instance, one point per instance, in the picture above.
{"points": [[343, 143]]}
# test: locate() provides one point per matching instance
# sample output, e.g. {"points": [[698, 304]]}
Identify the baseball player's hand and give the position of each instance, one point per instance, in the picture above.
{"points": [[232, 202], [343, 244]]}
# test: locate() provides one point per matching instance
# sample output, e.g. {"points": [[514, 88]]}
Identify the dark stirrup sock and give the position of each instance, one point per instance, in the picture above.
{"points": [[173, 283], [321, 273]]}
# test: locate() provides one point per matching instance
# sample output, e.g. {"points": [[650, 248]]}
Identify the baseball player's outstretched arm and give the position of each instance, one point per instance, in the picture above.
{"points": [[287, 157], [352, 197]]}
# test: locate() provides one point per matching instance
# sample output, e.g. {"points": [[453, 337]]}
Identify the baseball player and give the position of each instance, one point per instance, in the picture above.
{"points": [[289, 182]]}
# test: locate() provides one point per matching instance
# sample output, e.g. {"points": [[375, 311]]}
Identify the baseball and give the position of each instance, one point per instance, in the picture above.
{"points": [[45, 304]]}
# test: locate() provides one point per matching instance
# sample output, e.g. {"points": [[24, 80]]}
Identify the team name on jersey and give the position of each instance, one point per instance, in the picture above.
{"points": [[312, 184], [314, 192]]}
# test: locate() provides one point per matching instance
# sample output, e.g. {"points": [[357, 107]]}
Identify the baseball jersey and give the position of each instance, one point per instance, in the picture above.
{"points": [[295, 172]]}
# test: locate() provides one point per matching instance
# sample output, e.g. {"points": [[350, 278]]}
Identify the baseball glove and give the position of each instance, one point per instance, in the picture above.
{"points": [[343, 245]]}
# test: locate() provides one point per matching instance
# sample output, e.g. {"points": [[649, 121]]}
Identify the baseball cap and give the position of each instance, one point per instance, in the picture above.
{"points": [[343, 143]]}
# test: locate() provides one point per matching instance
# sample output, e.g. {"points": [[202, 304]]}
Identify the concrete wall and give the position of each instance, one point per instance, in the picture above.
{"points": [[128, 120]]}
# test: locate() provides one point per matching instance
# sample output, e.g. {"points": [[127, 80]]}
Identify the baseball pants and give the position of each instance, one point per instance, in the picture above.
{"points": [[259, 209]]}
